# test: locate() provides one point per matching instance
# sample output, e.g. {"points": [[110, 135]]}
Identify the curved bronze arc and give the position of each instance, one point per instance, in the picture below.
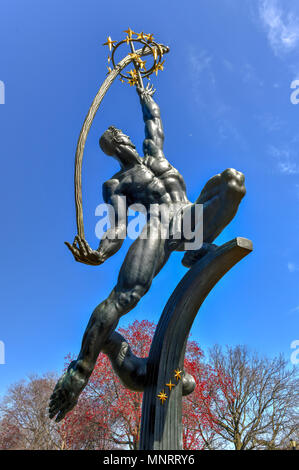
{"points": [[161, 425], [86, 127]]}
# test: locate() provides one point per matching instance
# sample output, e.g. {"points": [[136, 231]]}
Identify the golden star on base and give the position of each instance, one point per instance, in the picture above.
{"points": [[177, 374], [163, 397], [170, 385]]}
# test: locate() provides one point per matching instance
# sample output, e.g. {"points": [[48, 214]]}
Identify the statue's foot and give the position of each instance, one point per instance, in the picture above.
{"points": [[66, 392], [131, 369], [189, 384], [192, 256]]}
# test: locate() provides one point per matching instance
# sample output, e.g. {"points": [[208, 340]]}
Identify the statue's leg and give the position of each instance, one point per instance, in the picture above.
{"points": [[135, 277], [131, 369], [220, 198]]}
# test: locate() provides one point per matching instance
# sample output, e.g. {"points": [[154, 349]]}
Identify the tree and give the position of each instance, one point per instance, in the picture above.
{"points": [[200, 427], [115, 412], [11, 437], [256, 408], [24, 422]]}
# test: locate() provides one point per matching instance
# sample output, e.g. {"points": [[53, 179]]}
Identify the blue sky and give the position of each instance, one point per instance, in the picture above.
{"points": [[225, 101]]}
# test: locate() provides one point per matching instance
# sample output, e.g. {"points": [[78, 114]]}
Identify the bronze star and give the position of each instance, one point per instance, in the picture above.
{"points": [[132, 81], [129, 32], [160, 50], [133, 73], [156, 69], [109, 43], [141, 63], [149, 37], [141, 36], [134, 55], [160, 65]]}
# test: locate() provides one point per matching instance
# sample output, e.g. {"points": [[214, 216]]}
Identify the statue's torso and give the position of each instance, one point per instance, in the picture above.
{"points": [[155, 181]]}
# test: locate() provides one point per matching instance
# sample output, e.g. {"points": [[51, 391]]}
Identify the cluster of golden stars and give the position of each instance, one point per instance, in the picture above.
{"points": [[162, 395], [133, 75], [142, 35]]}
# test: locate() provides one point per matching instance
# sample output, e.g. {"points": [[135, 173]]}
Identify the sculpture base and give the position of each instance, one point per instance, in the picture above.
{"points": [[161, 423]]}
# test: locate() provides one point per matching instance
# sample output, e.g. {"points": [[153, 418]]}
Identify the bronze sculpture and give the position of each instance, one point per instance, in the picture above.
{"points": [[151, 181]]}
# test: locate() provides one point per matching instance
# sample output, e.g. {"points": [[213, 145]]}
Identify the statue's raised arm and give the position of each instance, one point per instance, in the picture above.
{"points": [[154, 135]]}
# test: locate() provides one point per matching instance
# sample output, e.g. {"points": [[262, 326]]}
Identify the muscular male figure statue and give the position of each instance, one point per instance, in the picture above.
{"points": [[148, 180]]}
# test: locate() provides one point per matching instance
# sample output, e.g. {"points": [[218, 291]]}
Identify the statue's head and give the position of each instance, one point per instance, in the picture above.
{"points": [[117, 144]]}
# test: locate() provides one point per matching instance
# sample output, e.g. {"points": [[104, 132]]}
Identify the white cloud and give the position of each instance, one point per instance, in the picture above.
{"points": [[207, 94], [292, 267], [282, 26], [288, 167], [201, 64], [270, 122], [286, 164]]}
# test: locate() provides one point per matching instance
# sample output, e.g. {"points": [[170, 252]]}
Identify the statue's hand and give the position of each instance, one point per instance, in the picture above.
{"points": [[145, 92], [83, 253]]}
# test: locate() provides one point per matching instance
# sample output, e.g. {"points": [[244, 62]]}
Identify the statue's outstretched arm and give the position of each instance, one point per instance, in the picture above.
{"points": [[113, 238], [154, 135]]}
